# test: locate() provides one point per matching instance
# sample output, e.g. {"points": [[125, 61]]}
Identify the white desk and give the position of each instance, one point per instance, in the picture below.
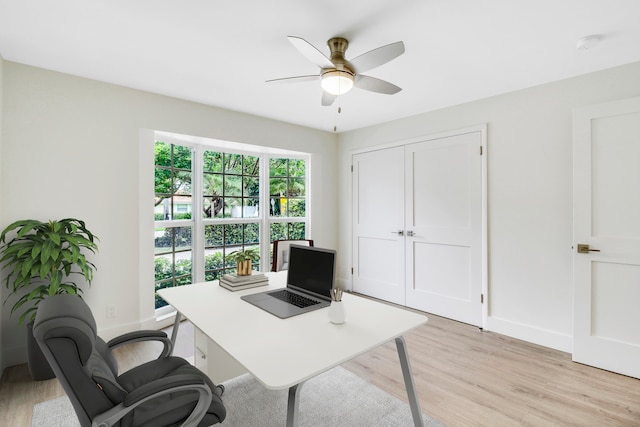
{"points": [[283, 353]]}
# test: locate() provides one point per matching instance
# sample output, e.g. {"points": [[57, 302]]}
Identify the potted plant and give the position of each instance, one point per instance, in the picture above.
{"points": [[244, 258], [41, 260]]}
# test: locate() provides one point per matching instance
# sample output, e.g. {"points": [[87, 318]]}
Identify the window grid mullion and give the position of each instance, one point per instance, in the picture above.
{"points": [[197, 208]]}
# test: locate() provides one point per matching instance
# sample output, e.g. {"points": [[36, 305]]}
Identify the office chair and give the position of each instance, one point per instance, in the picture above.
{"points": [[167, 391], [281, 252]]}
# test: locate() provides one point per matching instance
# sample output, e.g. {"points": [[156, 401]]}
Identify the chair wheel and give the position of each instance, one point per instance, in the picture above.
{"points": [[221, 388]]}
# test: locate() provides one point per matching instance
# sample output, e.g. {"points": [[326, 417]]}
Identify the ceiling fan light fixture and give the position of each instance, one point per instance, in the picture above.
{"points": [[337, 82]]}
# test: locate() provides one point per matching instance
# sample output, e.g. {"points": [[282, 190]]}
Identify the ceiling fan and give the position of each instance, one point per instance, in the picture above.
{"points": [[337, 75]]}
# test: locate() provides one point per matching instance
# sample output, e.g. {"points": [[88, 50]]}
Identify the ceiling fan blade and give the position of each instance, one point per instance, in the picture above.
{"points": [[375, 85], [327, 99], [310, 52], [295, 79], [376, 57]]}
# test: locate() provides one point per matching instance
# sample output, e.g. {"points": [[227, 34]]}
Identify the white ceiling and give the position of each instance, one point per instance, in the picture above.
{"points": [[221, 52]]}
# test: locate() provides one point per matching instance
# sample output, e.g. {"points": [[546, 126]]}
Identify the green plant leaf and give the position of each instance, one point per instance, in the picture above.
{"points": [[75, 251], [55, 254], [39, 290], [35, 269], [29, 315], [26, 226], [35, 251], [45, 253], [56, 278], [70, 289], [55, 238], [26, 267], [23, 250]]}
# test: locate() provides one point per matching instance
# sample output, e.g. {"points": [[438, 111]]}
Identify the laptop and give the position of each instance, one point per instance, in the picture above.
{"points": [[310, 278]]}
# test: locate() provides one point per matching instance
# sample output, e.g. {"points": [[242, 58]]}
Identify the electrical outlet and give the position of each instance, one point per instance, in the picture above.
{"points": [[111, 310]]}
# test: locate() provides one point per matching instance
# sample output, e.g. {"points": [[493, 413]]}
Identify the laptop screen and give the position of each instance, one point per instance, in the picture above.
{"points": [[311, 269]]}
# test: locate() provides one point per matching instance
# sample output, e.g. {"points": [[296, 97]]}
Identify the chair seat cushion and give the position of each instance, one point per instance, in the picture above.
{"points": [[171, 409]]}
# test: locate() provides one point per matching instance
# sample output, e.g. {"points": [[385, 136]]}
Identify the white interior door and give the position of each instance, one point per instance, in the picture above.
{"points": [[378, 224], [606, 216], [444, 245]]}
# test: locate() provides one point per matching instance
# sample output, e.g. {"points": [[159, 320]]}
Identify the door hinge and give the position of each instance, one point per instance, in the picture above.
{"points": [[481, 298], [351, 168], [352, 271], [481, 150]]}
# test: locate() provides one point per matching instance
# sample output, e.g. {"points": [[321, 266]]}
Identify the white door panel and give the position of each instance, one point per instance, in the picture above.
{"points": [[444, 227], [606, 187], [437, 268], [378, 216], [440, 182], [615, 289]]}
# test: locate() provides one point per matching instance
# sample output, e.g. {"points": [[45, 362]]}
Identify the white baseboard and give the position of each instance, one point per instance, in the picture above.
{"points": [[165, 321], [544, 337]]}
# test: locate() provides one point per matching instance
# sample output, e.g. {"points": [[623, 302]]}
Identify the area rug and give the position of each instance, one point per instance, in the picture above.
{"points": [[335, 398]]}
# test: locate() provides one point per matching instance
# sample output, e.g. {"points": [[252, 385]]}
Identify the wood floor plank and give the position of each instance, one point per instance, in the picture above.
{"points": [[466, 377]]}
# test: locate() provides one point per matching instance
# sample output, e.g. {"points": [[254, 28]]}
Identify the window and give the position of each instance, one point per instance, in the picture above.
{"points": [[231, 185], [287, 187], [221, 240], [173, 236], [287, 200], [195, 234]]}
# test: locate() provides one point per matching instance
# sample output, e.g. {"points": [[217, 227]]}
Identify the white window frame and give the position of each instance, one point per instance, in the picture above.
{"points": [[198, 222]]}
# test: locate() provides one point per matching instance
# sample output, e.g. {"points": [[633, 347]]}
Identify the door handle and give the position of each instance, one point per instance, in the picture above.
{"points": [[399, 232], [584, 249], [410, 233]]}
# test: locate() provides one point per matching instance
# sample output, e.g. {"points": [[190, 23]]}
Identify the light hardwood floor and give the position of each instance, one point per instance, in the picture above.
{"points": [[464, 377]]}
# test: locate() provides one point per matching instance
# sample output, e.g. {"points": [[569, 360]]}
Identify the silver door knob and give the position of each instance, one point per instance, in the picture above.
{"points": [[410, 233], [399, 232]]}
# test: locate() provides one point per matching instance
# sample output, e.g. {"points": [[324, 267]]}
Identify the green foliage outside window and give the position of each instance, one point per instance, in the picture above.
{"points": [[287, 187], [287, 231], [226, 238], [167, 277], [172, 176], [230, 184]]}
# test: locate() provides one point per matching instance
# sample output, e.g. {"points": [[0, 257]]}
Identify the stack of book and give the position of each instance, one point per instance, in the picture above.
{"points": [[234, 282]]}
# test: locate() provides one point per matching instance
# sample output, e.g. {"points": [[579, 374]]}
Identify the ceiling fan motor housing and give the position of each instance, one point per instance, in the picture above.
{"points": [[338, 47], [339, 79]]}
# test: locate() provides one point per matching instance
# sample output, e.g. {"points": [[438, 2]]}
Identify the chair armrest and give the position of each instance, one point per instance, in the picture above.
{"points": [[144, 335], [155, 389]]}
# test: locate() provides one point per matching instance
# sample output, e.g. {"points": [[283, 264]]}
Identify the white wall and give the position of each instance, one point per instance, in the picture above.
{"points": [[71, 147], [529, 194]]}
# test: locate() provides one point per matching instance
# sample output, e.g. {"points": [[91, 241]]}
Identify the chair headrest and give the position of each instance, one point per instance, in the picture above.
{"points": [[66, 316]]}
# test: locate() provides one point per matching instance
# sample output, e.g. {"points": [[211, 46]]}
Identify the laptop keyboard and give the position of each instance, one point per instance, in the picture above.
{"points": [[295, 299]]}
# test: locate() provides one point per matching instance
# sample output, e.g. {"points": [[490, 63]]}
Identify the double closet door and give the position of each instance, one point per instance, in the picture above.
{"points": [[418, 225]]}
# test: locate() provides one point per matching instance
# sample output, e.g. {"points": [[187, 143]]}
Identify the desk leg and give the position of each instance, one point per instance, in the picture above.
{"points": [[174, 332], [293, 414], [414, 403]]}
